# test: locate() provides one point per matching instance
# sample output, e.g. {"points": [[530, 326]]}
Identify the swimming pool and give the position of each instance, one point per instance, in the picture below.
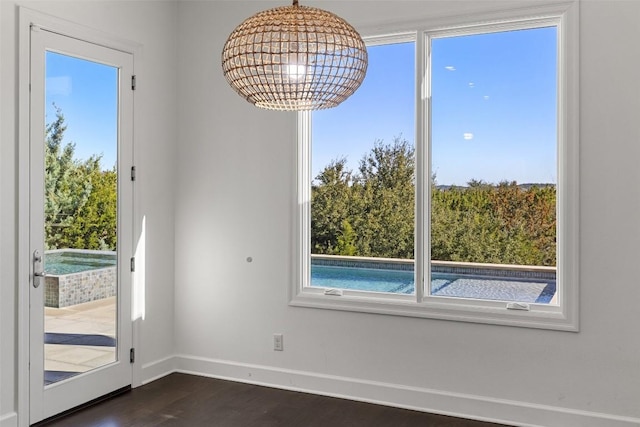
{"points": [[61, 262], [529, 290]]}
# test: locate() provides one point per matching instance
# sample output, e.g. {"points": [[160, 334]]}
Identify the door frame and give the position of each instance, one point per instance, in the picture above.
{"points": [[27, 18]]}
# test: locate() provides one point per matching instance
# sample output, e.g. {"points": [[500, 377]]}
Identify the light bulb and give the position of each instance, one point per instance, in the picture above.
{"points": [[296, 71]]}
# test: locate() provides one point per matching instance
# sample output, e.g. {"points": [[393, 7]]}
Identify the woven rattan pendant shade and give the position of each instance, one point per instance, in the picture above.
{"points": [[294, 58]]}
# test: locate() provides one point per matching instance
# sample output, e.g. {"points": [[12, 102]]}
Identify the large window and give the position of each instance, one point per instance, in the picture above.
{"points": [[446, 186]]}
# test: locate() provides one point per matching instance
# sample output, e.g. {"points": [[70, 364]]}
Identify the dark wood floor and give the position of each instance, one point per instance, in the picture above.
{"points": [[192, 401]]}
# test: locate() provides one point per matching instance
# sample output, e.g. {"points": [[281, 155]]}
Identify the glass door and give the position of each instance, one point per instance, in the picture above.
{"points": [[81, 222]]}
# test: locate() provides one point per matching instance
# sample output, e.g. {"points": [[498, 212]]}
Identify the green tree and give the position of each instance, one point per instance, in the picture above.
{"points": [[80, 198], [384, 195], [371, 213], [346, 240], [94, 226], [330, 201], [65, 185], [502, 223]]}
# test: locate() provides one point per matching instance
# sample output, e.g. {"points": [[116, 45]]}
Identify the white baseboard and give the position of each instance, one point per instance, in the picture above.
{"points": [[157, 369], [421, 399], [9, 420]]}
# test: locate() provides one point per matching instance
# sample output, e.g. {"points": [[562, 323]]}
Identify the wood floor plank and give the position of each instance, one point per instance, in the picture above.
{"points": [[180, 400]]}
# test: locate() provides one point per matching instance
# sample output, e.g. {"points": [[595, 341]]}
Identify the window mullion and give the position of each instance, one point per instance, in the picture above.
{"points": [[422, 247], [303, 199]]}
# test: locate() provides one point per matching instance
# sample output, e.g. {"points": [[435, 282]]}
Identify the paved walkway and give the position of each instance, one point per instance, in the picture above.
{"points": [[79, 338]]}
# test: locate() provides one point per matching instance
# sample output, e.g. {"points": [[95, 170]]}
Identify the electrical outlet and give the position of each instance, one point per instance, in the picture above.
{"points": [[277, 342]]}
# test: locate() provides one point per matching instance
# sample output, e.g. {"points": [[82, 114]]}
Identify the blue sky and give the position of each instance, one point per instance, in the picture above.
{"points": [[87, 94], [493, 108]]}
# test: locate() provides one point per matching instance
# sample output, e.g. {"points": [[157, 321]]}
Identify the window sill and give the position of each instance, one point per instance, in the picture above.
{"points": [[539, 316]]}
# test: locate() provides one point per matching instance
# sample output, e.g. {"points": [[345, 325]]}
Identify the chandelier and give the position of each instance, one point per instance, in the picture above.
{"points": [[294, 58]]}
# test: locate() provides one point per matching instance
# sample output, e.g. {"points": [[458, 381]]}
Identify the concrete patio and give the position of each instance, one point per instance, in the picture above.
{"points": [[83, 336]]}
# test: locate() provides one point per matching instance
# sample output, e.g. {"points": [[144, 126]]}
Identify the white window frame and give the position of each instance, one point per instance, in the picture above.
{"points": [[560, 316]]}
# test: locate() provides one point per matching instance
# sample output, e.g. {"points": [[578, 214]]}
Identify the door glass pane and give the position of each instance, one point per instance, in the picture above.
{"points": [[80, 206]]}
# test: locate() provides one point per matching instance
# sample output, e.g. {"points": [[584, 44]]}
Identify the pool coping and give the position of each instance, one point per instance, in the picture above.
{"points": [[93, 251], [452, 267]]}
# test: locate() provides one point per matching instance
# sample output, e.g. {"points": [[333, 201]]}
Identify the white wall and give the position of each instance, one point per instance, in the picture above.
{"points": [[154, 26], [234, 200]]}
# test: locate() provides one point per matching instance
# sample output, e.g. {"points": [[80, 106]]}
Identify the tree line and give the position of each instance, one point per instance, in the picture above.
{"points": [[80, 197], [371, 212], [367, 212]]}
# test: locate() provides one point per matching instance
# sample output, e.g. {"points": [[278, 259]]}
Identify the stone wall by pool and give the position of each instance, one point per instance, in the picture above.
{"points": [[64, 290]]}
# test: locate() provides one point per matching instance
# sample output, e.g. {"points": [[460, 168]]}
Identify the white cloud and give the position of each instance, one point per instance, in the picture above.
{"points": [[472, 84], [485, 97], [450, 68], [467, 136]]}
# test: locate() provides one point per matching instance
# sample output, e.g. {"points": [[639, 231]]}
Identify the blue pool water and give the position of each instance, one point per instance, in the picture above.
{"points": [[67, 262], [461, 286]]}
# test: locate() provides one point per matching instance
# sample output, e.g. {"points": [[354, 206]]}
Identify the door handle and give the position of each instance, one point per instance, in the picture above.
{"points": [[38, 273]]}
